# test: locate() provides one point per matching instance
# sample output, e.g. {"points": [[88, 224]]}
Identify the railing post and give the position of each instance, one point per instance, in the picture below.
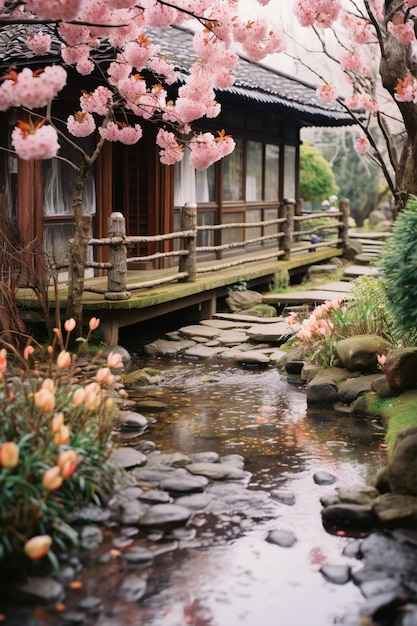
{"points": [[189, 222], [344, 208], [288, 226], [117, 275]]}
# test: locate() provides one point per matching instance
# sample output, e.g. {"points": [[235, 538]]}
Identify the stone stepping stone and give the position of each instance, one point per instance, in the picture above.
{"points": [[219, 324], [354, 271], [336, 574], [204, 352], [247, 320], [340, 286], [166, 347], [316, 296], [232, 337], [251, 357], [199, 331], [272, 332], [325, 268]]}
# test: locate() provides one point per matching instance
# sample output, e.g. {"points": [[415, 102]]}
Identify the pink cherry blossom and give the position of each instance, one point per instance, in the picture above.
{"points": [[320, 13], [406, 90], [362, 145], [403, 32], [41, 143], [353, 101], [351, 60], [205, 149], [81, 124], [327, 93], [172, 152], [98, 101], [119, 132], [65, 10], [39, 43]]}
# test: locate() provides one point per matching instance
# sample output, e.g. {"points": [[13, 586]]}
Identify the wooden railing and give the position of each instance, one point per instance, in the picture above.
{"points": [[290, 239]]}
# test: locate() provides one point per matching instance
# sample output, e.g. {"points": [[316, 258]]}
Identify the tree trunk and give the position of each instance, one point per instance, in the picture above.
{"points": [[78, 253]]}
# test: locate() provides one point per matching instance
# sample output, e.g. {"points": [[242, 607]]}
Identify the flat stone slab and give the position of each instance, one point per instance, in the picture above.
{"points": [[204, 352], [271, 332], [317, 296], [340, 286], [199, 331], [361, 270], [248, 319]]}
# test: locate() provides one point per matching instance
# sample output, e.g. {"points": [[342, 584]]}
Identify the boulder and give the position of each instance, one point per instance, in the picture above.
{"points": [[355, 387], [242, 300], [400, 369], [402, 465], [323, 388], [360, 352]]}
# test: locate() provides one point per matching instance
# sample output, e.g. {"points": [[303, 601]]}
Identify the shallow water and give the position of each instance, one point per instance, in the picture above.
{"points": [[247, 581]]}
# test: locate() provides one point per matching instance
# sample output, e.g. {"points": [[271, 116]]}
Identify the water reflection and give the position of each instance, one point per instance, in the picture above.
{"points": [[246, 581]]}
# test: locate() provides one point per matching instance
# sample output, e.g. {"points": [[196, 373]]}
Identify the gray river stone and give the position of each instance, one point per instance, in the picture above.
{"points": [[129, 511], [155, 496], [232, 337], [91, 537], [370, 588], [127, 458], [137, 555], [282, 538], [324, 478], [165, 517], [36, 590], [172, 459], [186, 484], [167, 347], [153, 474], [203, 352], [336, 574], [132, 588], [205, 457], [252, 357], [130, 420], [351, 389], [384, 552], [349, 515], [283, 496], [217, 471], [222, 324], [195, 501]]}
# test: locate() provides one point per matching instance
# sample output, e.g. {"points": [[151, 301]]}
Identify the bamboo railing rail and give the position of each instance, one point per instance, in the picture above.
{"points": [[289, 241]]}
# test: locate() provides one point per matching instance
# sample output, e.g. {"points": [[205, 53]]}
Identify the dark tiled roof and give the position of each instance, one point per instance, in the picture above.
{"points": [[254, 82]]}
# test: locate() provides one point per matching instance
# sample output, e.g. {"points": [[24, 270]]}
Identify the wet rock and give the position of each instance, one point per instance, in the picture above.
{"points": [[154, 474], [203, 352], [132, 588], [400, 368], [205, 457], [402, 465], [336, 574], [184, 484], [309, 371], [131, 421], [294, 367], [165, 517], [282, 538], [283, 496], [35, 590], [395, 510], [91, 513], [127, 458], [91, 537], [349, 515], [324, 387], [385, 553], [129, 511], [351, 389], [151, 404], [381, 387], [217, 471], [324, 478], [329, 500], [138, 555], [155, 496], [173, 459], [196, 501], [360, 352], [251, 357], [91, 605], [366, 495], [234, 459], [371, 588], [242, 300], [146, 446], [166, 347], [73, 617]]}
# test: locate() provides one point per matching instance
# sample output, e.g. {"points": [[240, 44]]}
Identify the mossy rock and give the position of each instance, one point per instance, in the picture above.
{"points": [[144, 376]]}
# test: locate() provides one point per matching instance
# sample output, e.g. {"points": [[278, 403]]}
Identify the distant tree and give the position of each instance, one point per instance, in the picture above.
{"points": [[317, 180]]}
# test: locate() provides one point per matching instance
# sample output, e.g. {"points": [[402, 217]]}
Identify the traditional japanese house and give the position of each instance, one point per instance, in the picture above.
{"points": [[264, 111]]}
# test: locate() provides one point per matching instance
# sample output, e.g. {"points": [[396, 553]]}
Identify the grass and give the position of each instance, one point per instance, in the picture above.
{"points": [[397, 413]]}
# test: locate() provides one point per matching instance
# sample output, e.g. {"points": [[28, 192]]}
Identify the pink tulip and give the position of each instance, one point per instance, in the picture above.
{"points": [[57, 422], [70, 324], [105, 376], [68, 462], [62, 436], [78, 397], [114, 360], [9, 455], [45, 400], [52, 479], [94, 323], [37, 547]]}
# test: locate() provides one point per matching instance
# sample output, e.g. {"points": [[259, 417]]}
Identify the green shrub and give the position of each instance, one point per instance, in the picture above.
{"points": [[399, 262], [54, 444]]}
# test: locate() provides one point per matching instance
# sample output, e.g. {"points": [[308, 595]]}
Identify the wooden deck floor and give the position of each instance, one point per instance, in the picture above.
{"points": [[197, 300]]}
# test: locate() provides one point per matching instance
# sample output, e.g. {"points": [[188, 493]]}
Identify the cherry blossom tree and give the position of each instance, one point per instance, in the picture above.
{"points": [[114, 110], [372, 51]]}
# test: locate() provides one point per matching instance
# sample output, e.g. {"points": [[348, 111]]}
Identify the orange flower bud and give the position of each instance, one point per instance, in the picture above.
{"points": [[78, 396], [70, 324], [3, 360], [48, 384], [62, 436], [9, 455], [37, 547], [105, 376], [45, 400], [68, 462], [63, 360], [27, 352], [57, 422], [52, 479], [94, 323]]}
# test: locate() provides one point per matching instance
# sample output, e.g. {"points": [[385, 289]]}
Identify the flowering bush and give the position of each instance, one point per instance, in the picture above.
{"points": [[365, 313], [54, 443]]}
